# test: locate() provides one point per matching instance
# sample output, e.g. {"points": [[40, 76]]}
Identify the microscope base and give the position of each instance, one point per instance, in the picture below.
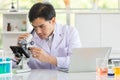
{"points": [[23, 67]]}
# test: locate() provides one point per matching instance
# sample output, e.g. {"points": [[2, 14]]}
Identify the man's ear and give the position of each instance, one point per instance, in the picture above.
{"points": [[53, 20]]}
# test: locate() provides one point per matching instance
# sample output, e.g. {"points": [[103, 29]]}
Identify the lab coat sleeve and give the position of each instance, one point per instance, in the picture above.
{"points": [[63, 63], [73, 41]]}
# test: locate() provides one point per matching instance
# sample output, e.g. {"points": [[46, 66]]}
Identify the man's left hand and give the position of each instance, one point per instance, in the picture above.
{"points": [[41, 55]]}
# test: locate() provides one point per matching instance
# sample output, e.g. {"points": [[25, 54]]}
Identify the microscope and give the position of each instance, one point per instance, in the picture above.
{"points": [[22, 52]]}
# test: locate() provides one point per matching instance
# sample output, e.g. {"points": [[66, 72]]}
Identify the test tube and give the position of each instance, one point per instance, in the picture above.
{"points": [[1, 66], [7, 65]]}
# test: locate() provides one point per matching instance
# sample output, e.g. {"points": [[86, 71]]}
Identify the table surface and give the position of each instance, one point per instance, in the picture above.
{"points": [[43, 74]]}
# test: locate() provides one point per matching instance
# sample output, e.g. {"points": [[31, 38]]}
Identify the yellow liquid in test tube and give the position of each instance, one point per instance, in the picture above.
{"points": [[116, 71]]}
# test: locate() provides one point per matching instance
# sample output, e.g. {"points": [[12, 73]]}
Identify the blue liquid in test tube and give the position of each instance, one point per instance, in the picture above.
{"points": [[7, 66], [1, 66]]}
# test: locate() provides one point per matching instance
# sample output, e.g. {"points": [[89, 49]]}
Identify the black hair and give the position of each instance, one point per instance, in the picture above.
{"points": [[42, 10]]}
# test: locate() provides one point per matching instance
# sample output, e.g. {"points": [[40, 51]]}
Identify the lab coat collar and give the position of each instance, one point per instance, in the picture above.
{"points": [[58, 36]]}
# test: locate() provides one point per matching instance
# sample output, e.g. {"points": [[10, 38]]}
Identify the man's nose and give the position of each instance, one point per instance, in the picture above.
{"points": [[38, 30]]}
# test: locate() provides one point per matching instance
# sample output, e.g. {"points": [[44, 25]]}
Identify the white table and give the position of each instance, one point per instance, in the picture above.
{"points": [[54, 75]]}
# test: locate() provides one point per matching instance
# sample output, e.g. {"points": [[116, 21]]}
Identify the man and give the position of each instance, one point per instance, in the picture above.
{"points": [[53, 41]]}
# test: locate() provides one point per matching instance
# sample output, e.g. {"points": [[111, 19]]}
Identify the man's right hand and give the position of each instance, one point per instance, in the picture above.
{"points": [[22, 36]]}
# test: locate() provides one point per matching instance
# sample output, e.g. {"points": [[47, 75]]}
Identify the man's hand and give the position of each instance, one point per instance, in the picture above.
{"points": [[41, 55], [23, 36]]}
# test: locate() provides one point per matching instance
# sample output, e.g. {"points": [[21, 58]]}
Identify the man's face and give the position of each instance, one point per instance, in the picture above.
{"points": [[43, 28]]}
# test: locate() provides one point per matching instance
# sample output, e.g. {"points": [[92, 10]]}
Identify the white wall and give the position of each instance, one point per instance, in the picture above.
{"points": [[99, 29]]}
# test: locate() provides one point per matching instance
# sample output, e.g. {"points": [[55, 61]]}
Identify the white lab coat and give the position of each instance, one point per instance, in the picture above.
{"points": [[65, 38]]}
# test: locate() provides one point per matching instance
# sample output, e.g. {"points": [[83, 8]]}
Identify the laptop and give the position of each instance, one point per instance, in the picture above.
{"points": [[84, 59]]}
